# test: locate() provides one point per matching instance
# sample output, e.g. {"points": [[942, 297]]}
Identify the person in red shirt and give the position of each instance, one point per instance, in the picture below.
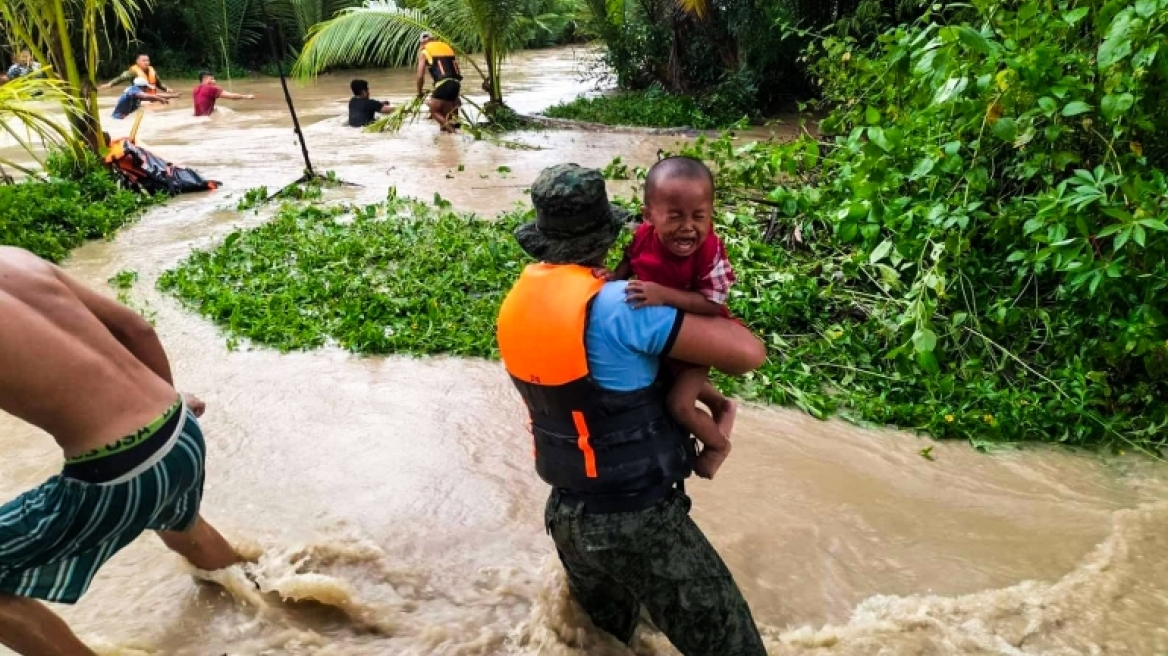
{"points": [[208, 92], [678, 261]]}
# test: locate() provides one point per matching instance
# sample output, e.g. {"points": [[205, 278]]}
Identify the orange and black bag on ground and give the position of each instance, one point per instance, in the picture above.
{"points": [[144, 171]]}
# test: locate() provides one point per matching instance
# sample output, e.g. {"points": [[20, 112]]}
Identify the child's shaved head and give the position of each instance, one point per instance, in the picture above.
{"points": [[677, 167]]}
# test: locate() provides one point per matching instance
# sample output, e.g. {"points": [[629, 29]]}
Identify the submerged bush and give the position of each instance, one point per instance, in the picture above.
{"points": [[81, 200], [657, 109]]}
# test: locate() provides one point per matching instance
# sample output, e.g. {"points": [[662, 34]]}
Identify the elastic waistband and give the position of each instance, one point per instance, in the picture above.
{"points": [[129, 457], [595, 504], [130, 441]]}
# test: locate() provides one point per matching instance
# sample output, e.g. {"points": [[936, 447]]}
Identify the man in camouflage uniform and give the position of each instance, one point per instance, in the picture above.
{"points": [[586, 365]]}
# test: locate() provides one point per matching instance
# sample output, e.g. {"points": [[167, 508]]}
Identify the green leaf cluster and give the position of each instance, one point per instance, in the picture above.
{"points": [[80, 201], [982, 244], [395, 277]]}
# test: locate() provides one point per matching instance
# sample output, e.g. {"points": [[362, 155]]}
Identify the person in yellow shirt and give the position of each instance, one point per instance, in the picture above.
{"points": [[438, 58]]}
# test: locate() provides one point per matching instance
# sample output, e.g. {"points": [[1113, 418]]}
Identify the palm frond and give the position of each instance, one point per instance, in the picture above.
{"points": [[392, 122], [29, 126], [380, 33], [698, 8]]}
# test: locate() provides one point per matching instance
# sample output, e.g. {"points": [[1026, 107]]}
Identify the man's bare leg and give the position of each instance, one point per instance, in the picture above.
{"points": [[30, 629], [202, 546], [440, 111]]}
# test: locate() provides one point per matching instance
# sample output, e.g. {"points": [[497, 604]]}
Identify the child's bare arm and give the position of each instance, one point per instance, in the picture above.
{"points": [[642, 294], [623, 271]]}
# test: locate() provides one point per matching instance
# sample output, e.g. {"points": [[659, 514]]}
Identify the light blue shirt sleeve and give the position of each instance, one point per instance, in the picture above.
{"points": [[625, 345]]}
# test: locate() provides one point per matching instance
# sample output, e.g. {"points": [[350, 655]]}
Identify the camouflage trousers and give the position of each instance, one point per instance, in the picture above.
{"points": [[656, 558]]}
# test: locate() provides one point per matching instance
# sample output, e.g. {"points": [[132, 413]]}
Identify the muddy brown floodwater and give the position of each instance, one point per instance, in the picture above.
{"points": [[393, 504]]}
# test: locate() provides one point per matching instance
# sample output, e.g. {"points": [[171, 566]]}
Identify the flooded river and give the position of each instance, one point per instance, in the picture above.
{"points": [[393, 505]]}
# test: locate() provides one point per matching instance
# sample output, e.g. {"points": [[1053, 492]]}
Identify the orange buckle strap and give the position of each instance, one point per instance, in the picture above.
{"points": [[585, 445]]}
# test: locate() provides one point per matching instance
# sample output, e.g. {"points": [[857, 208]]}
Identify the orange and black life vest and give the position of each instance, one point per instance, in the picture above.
{"points": [[441, 61], [588, 440], [150, 76]]}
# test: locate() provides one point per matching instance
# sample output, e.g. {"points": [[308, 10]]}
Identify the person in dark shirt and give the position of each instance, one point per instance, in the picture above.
{"points": [[363, 110]]}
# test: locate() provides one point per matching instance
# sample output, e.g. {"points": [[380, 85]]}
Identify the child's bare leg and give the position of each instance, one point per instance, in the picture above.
{"points": [[723, 409], [687, 386]]}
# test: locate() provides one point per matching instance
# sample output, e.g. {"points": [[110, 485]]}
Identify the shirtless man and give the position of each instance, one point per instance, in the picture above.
{"points": [[93, 375]]}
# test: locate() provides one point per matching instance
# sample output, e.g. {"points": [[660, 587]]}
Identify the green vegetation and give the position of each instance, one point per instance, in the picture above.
{"points": [[400, 276], [980, 249], [80, 201], [745, 56], [653, 108], [976, 248], [385, 33], [66, 38]]}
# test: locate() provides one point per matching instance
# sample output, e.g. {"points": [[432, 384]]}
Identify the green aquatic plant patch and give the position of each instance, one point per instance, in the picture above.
{"points": [[395, 277], [79, 201]]}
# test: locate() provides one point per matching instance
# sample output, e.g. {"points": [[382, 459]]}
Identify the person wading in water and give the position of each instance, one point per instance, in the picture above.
{"points": [[438, 58], [586, 365], [93, 375], [143, 69]]}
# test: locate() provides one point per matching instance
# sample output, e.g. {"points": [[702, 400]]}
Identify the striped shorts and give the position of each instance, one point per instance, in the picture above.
{"points": [[55, 538]]}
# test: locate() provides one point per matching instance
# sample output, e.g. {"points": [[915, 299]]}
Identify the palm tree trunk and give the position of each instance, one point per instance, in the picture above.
{"points": [[496, 91], [84, 119], [676, 70]]}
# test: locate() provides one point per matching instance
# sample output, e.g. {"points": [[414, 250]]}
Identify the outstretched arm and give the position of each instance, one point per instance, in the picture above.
{"points": [[134, 332], [124, 77], [236, 96]]}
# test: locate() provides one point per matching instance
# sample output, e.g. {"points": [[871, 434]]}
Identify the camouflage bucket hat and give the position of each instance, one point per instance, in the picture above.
{"points": [[574, 221]]}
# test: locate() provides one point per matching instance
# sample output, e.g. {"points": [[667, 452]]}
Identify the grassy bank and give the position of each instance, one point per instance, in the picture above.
{"points": [[78, 202], [650, 109]]}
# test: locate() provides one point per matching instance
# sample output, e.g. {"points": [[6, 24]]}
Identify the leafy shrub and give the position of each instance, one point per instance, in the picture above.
{"points": [[80, 201], [656, 109], [980, 249]]}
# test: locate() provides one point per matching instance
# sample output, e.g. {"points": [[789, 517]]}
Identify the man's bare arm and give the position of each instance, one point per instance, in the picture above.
{"points": [[719, 343], [124, 77], [421, 72], [134, 332], [230, 95]]}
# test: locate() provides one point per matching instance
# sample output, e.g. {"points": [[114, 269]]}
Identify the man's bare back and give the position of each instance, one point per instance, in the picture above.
{"points": [[93, 374], [73, 362]]}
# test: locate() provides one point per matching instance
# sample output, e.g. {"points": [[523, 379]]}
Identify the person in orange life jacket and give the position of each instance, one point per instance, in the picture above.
{"points": [[143, 69], [586, 365], [133, 98], [205, 95], [438, 58]]}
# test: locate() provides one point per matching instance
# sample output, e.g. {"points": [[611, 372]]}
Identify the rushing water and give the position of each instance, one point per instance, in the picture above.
{"points": [[393, 505]]}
